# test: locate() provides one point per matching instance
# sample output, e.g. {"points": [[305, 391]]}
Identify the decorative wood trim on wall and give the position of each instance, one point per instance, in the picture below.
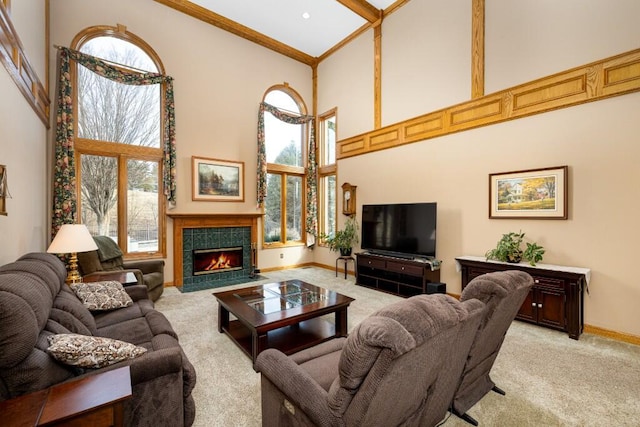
{"points": [[247, 33], [609, 77], [477, 48], [619, 336], [14, 59], [377, 76]]}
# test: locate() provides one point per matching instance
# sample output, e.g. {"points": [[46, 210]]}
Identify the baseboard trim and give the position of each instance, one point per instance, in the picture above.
{"points": [[607, 333], [286, 267]]}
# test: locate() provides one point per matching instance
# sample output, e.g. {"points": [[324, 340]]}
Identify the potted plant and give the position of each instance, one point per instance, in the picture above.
{"points": [[508, 249], [343, 240]]}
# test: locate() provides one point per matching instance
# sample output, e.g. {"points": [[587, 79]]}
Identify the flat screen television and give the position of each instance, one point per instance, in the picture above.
{"points": [[406, 230]]}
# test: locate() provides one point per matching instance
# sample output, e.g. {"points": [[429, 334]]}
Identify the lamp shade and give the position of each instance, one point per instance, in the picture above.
{"points": [[72, 238]]}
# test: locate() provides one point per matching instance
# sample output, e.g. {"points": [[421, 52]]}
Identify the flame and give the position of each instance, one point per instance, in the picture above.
{"points": [[221, 262]]}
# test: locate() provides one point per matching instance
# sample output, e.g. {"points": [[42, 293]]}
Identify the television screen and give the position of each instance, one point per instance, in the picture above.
{"points": [[407, 229]]}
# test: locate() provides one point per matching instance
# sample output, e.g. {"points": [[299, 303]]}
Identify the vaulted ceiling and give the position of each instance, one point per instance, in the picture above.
{"points": [[304, 30]]}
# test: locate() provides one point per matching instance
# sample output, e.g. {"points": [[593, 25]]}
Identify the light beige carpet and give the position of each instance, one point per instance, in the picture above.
{"points": [[550, 379]]}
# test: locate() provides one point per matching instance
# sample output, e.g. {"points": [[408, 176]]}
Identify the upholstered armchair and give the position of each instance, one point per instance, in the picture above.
{"points": [[108, 258], [503, 293], [400, 366]]}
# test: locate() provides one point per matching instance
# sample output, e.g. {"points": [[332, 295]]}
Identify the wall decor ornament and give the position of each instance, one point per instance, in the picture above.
{"points": [[532, 194], [217, 180], [349, 199], [4, 190]]}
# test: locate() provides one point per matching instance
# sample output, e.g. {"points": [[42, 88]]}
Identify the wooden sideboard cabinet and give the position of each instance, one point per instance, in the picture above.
{"points": [[556, 300], [398, 276]]}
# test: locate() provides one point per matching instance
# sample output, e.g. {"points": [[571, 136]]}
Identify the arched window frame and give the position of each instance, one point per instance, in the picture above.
{"points": [[299, 171], [122, 152]]}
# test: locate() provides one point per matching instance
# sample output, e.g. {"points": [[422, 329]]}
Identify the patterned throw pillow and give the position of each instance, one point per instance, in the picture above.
{"points": [[107, 295], [91, 352]]}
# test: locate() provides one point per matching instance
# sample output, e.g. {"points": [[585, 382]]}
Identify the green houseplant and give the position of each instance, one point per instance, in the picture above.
{"points": [[343, 240], [509, 249]]}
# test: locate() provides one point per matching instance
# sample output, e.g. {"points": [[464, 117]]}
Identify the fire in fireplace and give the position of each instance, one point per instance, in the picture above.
{"points": [[207, 261]]}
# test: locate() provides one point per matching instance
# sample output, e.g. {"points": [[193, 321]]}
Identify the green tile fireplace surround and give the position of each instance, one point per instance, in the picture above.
{"points": [[224, 246], [215, 238]]}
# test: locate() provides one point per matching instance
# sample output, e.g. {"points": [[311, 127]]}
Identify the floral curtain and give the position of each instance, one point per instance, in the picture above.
{"points": [[312, 166], [64, 183]]}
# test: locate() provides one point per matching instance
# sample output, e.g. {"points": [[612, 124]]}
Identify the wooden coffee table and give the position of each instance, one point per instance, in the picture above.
{"points": [[281, 315]]}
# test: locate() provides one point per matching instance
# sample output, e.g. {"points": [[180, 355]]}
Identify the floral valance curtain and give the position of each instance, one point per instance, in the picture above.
{"points": [[312, 166], [64, 183]]}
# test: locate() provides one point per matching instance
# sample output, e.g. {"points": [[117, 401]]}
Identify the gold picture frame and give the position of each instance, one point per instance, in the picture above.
{"points": [[531, 194], [217, 180]]}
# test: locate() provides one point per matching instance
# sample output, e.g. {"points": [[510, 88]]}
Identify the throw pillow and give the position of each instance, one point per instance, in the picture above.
{"points": [[91, 352], [107, 295]]}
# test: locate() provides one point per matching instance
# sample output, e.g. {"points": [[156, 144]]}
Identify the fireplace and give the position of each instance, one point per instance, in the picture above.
{"points": [[221, 232], [216, 260]]}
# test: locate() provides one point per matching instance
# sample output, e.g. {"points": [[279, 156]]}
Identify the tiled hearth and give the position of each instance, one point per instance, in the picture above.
{"points": [[212, 232]]}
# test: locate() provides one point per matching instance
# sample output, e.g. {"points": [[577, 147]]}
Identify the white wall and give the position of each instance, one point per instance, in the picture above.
{"points": [[598, 141], [346, 80], [426, 58], [529, 39], [219, 81], [22, 146]]}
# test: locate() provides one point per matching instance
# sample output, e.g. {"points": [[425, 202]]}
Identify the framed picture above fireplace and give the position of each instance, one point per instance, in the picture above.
{"points": [[217, 180]]}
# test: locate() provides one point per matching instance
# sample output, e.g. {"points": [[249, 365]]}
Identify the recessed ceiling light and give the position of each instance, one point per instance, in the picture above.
{"points": [[306, 15]]}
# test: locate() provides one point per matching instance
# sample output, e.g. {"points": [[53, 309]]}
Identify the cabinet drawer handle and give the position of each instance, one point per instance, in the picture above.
{"points": [[402, 268], [533, 304], [539, 305], [537, 281]]}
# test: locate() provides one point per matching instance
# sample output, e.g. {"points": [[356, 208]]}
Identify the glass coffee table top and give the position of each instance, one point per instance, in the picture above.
{"points": [[280, 296]]}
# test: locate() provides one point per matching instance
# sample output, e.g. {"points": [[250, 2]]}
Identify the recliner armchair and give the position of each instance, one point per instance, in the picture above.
{"points": [[109, 258], [400, 366], [503, 292]]}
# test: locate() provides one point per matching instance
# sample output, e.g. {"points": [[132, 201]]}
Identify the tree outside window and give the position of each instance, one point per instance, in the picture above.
{"points": [[284, 214], [118, 148]]}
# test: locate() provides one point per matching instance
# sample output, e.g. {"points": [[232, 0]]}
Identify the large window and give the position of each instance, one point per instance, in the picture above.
{"points": [[327, 173], [118, 145], [284, 219]]}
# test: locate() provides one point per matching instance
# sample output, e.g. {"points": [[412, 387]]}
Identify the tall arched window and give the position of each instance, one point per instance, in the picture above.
{"points": [[118, 144], [284, 220]]}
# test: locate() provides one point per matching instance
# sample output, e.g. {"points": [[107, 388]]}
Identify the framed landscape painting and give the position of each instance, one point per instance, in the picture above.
{"points": [[533, 193], [217, 180]]}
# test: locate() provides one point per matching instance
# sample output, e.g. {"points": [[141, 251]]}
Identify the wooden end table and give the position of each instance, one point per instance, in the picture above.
{"points": [[96, 400], [124, 277], [281, 315]]}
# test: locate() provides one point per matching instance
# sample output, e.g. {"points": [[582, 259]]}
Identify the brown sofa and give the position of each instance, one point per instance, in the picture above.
{"points": [[35, 303], [400, 366]]}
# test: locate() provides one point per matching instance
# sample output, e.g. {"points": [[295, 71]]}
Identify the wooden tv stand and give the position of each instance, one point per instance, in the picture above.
{"points": [[556, 300], [399, 276]]}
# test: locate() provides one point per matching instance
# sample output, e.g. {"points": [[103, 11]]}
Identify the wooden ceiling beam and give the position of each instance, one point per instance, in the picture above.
{"points": [[233, 27], [364, 9]]}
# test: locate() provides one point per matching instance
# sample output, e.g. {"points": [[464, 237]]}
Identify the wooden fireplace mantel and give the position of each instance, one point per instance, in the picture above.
{"points": [[200, 220]]}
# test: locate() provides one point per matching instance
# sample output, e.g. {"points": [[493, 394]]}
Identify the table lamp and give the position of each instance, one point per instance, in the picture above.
{"points": [[71, 239]]}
